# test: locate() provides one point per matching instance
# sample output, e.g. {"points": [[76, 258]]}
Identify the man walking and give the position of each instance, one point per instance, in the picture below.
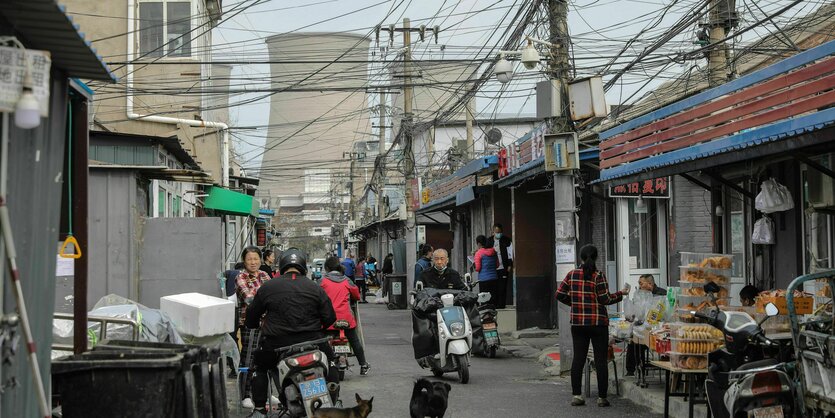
{"points": [[502, 244]]}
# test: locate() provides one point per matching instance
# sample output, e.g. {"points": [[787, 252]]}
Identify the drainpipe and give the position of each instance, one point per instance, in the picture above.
{"points": [[165, 119]]}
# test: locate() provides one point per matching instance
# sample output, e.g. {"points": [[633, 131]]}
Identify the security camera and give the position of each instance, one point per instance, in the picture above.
{"points": [[530, 57], [503, 70]]}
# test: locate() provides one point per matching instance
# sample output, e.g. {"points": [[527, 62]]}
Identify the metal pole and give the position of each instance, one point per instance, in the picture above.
{"points": [[564, 200], [469, 124], [409, 160], [79, 199]]}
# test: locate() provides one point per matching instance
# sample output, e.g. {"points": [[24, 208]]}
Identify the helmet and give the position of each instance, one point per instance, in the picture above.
{"points": [[293, 257]]}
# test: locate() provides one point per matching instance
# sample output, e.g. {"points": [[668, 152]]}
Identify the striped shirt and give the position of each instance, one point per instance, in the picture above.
{"points": [[587, 298]]}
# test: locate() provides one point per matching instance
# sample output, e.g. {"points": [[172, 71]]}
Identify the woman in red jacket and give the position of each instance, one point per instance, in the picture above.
{"points": [[342, 291]]}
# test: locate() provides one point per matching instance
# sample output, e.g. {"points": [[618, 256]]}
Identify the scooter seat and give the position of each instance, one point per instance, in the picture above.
{"points": [[758, 364]]}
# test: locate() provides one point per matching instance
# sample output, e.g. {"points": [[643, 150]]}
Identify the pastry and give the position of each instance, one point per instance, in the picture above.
{"points": [[706, 263], [725, 263], [692, 362], [723, 292]]}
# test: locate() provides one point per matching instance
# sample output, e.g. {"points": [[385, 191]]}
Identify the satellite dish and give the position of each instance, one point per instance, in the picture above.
{"points": [[494, 135]]}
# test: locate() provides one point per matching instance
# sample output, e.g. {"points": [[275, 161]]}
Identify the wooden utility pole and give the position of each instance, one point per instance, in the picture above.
{"points": [[470, 154], [380, 180]]}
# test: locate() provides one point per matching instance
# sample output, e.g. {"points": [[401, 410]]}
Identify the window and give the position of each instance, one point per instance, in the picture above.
{"points": [[161, 203], [165, 28], [643, 235], [177, 203], [738, 235], [819, 217]]}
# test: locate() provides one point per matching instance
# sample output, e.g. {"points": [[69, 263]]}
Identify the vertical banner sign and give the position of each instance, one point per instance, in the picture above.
{"points": [[13, 66], [261, 235], [414, 194]]}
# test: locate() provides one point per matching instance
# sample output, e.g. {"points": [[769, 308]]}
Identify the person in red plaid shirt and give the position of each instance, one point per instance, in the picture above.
{"points": [[586, 291], [247, 283]]}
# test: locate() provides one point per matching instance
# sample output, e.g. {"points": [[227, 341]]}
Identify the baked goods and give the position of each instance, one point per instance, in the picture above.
{"points": [[697, 332], [720, 262]]}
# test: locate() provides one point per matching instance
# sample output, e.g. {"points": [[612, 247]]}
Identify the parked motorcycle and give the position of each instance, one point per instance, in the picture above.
{"points": [[741, 382], [454, 338], [301, 377], [341, 347], [488, 314]]}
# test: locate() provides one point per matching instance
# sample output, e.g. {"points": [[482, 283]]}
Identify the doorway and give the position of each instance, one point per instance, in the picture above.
{"points": [[642, 240]]}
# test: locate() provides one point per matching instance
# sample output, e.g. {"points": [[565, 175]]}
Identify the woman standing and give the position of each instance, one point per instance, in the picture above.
{"points": [[486, 261], [586, 291], [247, 283], [269, 260], [388, 268]]}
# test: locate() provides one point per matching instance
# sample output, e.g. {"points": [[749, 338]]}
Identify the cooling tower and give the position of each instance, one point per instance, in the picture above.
{"points": [[318, 111]]}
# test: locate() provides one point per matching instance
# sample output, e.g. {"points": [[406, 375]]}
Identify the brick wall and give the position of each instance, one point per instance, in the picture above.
{"points": [[690, 223]]}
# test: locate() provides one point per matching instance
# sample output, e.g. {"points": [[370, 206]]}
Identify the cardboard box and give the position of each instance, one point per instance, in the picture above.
{"points": [[199, 315], [802, 306]]}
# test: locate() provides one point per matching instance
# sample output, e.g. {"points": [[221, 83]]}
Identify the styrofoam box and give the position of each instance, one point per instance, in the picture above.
{"points": [[199, 315]]}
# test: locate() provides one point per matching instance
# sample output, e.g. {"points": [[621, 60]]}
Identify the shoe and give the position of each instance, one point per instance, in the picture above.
{"points": [[630, 374], [364, 369], [578, 401], [603, 402], [274, 400], [248, 404], [258, 413]]}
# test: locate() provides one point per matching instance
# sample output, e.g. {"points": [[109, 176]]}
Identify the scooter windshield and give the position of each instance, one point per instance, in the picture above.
{"points": [[452, 314]]}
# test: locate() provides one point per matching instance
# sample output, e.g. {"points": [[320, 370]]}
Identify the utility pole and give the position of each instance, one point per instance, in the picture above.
{"points": [[381, 150], [564, 200], [470, 154], [722, 18]]}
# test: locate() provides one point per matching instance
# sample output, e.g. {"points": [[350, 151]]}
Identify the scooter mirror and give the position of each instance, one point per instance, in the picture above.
{"points": [[468, 278], [711, 287], [771, 309]]}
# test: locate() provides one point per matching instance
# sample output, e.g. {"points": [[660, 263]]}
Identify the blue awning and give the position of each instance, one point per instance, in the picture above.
{"points": [[464, 196], [447, 202], [478, 166]]}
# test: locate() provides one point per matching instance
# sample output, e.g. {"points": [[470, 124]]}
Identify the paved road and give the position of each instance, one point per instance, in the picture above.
{"points": [[502, 387]]}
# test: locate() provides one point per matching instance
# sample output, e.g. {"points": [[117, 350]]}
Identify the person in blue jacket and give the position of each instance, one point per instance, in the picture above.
{"points": [[424, 260]]}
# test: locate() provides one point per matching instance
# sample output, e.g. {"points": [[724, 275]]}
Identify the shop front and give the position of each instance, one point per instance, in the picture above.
{"points": [[775, 123]]}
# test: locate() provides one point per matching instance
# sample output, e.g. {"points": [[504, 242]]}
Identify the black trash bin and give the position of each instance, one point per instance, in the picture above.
{"points": [[108, 384], [206, 390], [397, 291]]}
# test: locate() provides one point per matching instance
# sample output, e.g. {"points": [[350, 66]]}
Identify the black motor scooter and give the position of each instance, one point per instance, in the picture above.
{"points": [[741, 382]]}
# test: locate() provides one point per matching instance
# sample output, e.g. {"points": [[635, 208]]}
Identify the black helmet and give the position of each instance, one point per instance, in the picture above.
{"points": [[293, 257]]}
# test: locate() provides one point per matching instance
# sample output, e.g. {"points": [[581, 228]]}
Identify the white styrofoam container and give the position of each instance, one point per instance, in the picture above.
{"points": [[199, 315]]}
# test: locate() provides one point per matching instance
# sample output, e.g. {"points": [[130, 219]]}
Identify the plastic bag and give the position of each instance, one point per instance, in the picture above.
{"points": [[773, 197], [639, 305], [657, 311], [763, 231], [379, 298]]}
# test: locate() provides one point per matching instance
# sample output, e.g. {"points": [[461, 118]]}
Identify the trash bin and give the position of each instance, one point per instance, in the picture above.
{"points": [[397, 291], [122, 384], [207, 390]]}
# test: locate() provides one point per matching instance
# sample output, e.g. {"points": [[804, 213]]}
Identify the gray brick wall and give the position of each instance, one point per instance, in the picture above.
{"points": [[690, 220]]}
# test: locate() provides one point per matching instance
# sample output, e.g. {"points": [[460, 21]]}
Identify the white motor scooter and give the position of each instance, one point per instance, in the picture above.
{"points": [[455, 338]]}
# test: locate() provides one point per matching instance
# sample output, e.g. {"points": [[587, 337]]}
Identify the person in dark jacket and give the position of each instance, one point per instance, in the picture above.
{"points": [[294, 310], [440, 276], [341, 292], [269, 258], [502, 244], [633, 351], [424, 263], [388, 269]]}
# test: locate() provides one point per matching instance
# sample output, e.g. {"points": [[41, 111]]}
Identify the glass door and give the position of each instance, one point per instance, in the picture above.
{"points": [[642, 240]]}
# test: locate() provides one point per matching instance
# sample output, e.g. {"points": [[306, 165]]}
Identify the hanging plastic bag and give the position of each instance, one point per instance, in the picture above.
{"points": [[773, 197], [763, 231]]}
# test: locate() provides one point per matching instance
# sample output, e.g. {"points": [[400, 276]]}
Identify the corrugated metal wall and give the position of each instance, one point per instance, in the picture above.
{"points": [[36, 161]]}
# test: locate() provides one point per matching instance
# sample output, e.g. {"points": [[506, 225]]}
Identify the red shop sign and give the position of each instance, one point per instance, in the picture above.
{"points": [[657, 188]]}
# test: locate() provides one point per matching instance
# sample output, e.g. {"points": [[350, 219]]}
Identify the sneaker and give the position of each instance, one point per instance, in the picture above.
{"points": [[364, 369], [578, 401], [248, 404], [603, 402], [274, 400], [258, 413]]}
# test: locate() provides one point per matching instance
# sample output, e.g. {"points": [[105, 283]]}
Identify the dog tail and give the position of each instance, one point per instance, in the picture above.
{"points": [[316, 405]]}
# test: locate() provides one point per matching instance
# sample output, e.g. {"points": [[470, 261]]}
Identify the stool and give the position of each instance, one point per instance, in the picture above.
{"points": [[588, 367]]}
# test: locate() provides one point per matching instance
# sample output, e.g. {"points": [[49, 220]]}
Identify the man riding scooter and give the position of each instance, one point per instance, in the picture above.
{"points": [[440, 276], [294, 310]]}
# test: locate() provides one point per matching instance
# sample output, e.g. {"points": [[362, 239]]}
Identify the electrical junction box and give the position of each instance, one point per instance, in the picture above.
{"points": [[199, 315], [548, 104], [587, 98]]}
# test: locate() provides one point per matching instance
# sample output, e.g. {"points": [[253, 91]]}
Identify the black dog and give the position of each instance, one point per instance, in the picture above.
{"points": [[429, 399]]}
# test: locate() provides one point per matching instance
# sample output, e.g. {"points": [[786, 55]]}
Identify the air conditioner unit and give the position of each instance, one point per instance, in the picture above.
{"points": [[820, 188]]}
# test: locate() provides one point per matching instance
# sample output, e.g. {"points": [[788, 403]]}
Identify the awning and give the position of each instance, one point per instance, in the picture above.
{"points": [[528, 170], [44, 25], [226, 202], [447, 202]]}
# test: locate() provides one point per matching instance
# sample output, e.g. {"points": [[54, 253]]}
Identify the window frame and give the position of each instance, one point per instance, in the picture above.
{"points": [[166, 52]]}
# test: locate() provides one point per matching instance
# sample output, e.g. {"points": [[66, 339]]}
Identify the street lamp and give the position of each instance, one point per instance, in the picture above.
{"points": [[529, 57]]}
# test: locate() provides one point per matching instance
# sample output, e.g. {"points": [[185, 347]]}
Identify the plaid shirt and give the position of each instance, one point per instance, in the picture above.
{"points": [[246, 285], [587, 298]]}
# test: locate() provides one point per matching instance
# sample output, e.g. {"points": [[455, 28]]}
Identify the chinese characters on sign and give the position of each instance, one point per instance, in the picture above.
{"points": [[13, 72], [565, 253], [658, 187], [518, 154]]}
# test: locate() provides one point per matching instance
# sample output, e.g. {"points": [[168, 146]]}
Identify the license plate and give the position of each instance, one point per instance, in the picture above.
{"points": [[342, 349], [492, 337], [768, 412], [489, 326], [313, 388]]}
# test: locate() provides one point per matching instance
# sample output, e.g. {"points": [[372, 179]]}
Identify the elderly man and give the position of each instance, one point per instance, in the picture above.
{"points": [[634, 351], [440, 276]]}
